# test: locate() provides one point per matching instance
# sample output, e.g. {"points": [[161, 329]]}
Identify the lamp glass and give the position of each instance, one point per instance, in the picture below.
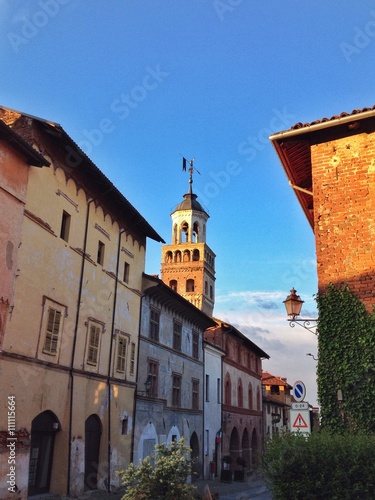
{"points": [[293, 304]]}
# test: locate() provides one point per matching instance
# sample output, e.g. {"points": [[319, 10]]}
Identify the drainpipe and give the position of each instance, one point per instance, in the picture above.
{"points": [[110, 361], [136, 379], [71, 371]]}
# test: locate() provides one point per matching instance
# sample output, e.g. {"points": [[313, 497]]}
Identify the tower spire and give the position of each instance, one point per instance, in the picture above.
{"points": [[191, 171]]}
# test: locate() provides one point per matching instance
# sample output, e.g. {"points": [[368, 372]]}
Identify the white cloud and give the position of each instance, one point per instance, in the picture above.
{"points": [[286, 346]]}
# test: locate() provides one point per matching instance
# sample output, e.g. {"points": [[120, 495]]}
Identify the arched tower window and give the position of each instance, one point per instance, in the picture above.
{"points": [[196, 254], [190, 285], [186, 255], [168, 257], [195, 236], [184, 232], [173, 285], [177, 256]]}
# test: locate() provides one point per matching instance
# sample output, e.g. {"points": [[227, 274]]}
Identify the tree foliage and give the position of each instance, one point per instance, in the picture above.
{"points": [[162, 476], [346, 361]]}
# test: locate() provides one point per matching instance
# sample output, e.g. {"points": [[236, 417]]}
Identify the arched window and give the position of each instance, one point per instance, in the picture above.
{"points": [[186, 255], [250, 396], [173, 285], [190, 285], [239, 394], [177, 256], [258, 399], [168, 257], [228, 390], [196, 254]]}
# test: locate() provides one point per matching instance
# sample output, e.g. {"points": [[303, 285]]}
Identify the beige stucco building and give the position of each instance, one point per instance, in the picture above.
{"points": [[69, 345]]}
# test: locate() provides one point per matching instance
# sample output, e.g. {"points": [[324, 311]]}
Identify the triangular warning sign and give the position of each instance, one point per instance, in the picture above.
{"points": [[300, 422]]}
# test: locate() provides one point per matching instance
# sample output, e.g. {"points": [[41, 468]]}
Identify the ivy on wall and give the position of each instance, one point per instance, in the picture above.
{"points": [[346, 361]]}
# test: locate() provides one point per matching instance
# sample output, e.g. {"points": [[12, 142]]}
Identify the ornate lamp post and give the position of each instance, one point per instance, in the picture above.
{"points": [[293, 305]]}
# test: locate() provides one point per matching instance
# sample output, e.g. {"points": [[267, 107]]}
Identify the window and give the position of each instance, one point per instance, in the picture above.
{"points": [[195, 394], [154, 324], [177, 329], [250, 396], [124, 426], [121, 354], [173, 285], [153, 374], [126, 272], [211, 292], [228, 390], [206, 288], [100, 256], [275, 389], [258, 399], [207, 388], [52, 331], [240, 394], [190, 285], [65, 226], [195, 350], [93, 344], [132, 358], [176, 389]]}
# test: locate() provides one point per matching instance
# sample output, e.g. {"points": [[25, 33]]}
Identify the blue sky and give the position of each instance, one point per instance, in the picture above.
{"points": [[137, 84]]}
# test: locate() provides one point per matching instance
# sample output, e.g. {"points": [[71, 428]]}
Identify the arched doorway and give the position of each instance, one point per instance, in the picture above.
{"points": [[93, 430], [196, 465], [234, 445], [43, 430]]}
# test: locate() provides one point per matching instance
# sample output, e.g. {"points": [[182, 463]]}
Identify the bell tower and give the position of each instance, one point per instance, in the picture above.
{"points": [[188, 264]]}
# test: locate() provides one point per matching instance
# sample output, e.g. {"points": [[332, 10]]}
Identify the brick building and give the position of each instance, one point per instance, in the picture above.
{"points": [[330, 163]]}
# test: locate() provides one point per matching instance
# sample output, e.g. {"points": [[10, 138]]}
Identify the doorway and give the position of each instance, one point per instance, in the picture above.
{"points": [[93, 431], [43, 431]]}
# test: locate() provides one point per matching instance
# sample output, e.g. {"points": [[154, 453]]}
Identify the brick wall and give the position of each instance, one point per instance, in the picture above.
{"points": [[343, 174]]}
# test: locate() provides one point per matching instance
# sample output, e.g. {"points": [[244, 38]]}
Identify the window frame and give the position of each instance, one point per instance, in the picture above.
{"points": [[195, 394], [95, 329], [154, 325], [121, 355], [51, 336], [100, 253], [195, 344], [65, 225], [177, 335], [176, 389], [153, 374]]}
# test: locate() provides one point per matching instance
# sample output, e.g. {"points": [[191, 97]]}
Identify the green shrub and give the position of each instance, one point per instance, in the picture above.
{"points": [[164, 478], [322, 466]]}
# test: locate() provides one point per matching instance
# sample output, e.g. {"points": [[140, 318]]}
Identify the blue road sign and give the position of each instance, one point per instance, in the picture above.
{"points": [[299, 391]]}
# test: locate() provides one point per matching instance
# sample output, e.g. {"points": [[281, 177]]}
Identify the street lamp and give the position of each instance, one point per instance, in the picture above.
{"points": [[148, 385], [293, 305]]}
